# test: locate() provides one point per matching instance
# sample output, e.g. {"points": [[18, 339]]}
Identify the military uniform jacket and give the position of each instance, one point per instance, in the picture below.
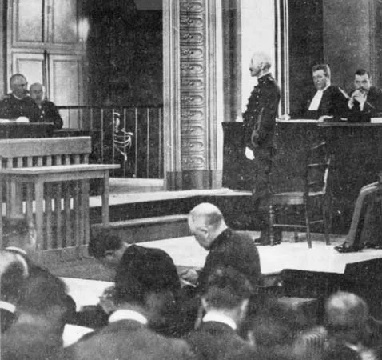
{"points": [[49, 113], [13, 108], [372, 106], [261, 112]]}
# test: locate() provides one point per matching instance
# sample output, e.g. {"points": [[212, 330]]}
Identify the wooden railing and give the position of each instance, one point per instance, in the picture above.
{"points": [[129, 136]]}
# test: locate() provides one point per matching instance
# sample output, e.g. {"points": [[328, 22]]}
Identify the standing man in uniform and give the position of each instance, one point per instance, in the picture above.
{"points": [[259, 124]]}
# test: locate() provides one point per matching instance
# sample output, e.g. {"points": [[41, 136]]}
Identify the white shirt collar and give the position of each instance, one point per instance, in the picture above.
{"points": [[127, 315], [7, 306], [221, 318]]}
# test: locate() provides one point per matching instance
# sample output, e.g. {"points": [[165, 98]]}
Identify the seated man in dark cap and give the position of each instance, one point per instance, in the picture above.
{"points": [[145, 283]]}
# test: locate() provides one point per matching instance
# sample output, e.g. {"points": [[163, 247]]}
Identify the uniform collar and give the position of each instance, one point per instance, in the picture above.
{"points": [[265, 78]]}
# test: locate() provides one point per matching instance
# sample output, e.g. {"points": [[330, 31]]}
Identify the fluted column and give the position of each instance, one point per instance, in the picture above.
{"points": [[194, 111]]}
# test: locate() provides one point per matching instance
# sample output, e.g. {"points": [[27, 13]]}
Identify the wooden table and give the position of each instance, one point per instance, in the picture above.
{"points": [[36, 177]]}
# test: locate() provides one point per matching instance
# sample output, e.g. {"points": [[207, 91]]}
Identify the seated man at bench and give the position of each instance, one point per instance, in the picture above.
{"points": [[18, 104], [366, 226]]}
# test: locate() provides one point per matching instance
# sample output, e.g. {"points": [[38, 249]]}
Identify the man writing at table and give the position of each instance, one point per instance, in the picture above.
{"points": [[366, 100], [18, 104]]}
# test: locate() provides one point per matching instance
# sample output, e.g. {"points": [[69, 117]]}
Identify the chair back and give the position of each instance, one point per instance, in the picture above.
{"points": [[317, 170]]}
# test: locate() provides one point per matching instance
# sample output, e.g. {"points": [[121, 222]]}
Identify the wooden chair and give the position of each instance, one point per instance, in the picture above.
{"points": [[314, 196]]}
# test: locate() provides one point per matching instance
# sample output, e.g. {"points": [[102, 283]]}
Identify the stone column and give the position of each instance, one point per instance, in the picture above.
{"points": [[193, 95]]}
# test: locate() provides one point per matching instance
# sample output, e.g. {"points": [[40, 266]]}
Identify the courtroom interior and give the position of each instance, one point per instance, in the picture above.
{"points": [[201, 170]]}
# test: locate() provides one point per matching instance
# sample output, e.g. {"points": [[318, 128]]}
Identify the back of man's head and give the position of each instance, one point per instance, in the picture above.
{"points": [[13, 272], [208, 214], [143, 271], [45, 295], [17, 234], [346, 309], [102, 242], [227, 288]]}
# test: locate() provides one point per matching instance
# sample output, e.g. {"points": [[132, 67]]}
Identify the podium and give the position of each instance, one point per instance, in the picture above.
{"points": [[13, 130]]}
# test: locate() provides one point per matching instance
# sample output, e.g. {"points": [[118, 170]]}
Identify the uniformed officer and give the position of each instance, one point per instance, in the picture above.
{"points": [[259, 124]]}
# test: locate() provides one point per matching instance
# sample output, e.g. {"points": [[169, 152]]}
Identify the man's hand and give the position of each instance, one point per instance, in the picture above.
{"points": [[360, 96], [106, 300]]}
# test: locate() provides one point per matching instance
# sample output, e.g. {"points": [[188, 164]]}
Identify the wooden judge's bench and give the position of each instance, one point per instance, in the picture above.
{"points": [[356, 150]]}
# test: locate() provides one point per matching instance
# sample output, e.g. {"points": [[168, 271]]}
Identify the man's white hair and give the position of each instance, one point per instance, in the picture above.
{"points": [[262, 57]]}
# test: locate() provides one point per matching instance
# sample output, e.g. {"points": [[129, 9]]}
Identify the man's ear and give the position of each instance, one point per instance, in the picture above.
{"points": [[244, 307], [204, 303]]}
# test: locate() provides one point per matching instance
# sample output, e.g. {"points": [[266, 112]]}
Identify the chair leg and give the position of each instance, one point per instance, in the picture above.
{"points": [[308, 227], [271, 223], [326, 213]]}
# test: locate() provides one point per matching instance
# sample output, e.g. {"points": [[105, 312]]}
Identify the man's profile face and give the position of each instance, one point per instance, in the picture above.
{"points": [[19, 87], [36, 93], [320, 80], [255, 67], [199, 231], [362, 82]]}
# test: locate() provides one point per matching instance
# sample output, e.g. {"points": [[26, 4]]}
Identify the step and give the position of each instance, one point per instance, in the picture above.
{"points": [[135, 185], [147, 229]]}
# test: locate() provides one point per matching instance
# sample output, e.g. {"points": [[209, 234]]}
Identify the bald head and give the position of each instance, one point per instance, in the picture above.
{"points": [[18, 84], [206, 222], [37, 92], [260, 64], [345, 308]]}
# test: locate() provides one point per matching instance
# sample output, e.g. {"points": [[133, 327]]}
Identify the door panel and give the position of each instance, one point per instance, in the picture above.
{"points": [[64, 22], [30, 65], [28, 22]]}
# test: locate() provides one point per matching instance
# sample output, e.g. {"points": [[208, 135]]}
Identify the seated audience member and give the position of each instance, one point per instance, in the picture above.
{"points": [[366, 100], [48, 111], [13, 272], [327, 100], [366, 225], [108, 249], [18, 103], [41, 317], [226, 247], [273, 330], [19, 236], [144, 286], [350, 335], [225, 302]]}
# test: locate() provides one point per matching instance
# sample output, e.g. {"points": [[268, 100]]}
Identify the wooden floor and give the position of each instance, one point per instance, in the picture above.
{"points": [[187, 253]]}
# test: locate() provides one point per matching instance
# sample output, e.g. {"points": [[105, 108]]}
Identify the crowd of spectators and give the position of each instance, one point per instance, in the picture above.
{"points": [[153, 311]]}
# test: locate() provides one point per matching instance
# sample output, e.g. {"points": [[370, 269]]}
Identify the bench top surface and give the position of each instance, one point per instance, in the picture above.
{"points": [[37, 170]]}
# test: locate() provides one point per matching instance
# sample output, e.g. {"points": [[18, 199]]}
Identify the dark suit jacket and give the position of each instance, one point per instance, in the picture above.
{"points": [[261, 112], [333, 103], [30, 341], [49, 113], [127, 339], [372, 107], [214, 340], [12, 108], [234, 249]]}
